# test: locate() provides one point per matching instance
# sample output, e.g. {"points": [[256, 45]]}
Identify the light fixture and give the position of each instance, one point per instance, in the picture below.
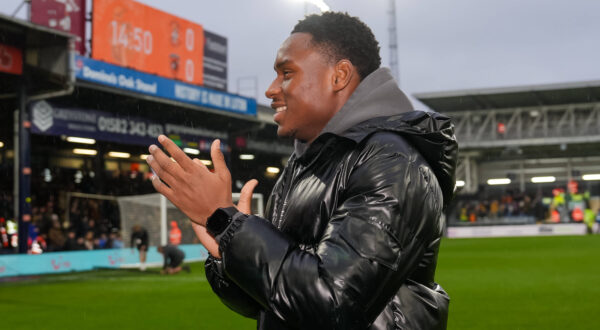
{"points": [[543, 179], [590, 177], [1, 144], [89, 152], [246, 156], [191, 151], [323, 7], [118, 154], [460, 183], [272, 170], [493, 182], [75, 139], [144, 156], [206, 162]]}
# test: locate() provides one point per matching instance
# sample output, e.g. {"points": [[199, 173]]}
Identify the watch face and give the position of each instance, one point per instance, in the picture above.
{"points": [[218, 222]]}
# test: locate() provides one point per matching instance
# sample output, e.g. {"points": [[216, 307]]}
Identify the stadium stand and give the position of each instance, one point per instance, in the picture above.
{"points": [[528, 154]]}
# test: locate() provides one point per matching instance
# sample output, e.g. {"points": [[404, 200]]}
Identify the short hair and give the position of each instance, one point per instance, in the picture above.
{"points": [[342, 36]]}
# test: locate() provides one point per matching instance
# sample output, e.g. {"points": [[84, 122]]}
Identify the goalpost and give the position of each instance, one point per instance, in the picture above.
{"points": [[155, 213]]}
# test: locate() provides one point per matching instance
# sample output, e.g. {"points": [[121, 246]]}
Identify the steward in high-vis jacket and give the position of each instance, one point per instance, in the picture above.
{"points": [[354, 224]]}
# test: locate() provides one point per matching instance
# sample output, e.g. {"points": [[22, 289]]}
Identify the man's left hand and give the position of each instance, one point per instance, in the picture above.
{"points": [[243, 205], [190, 185]]}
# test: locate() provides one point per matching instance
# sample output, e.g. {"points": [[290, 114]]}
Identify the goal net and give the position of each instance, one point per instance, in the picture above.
{"points": [[159, 216]]}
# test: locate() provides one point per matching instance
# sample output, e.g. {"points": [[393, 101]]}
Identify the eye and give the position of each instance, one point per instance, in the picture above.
{"points": [[286, 73]]}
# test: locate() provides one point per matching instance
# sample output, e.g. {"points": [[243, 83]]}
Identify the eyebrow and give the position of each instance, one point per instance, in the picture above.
{"points": [[278, 65]]}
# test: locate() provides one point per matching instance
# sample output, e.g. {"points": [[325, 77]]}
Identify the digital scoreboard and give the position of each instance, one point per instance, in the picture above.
{"points": [[133, 35]]}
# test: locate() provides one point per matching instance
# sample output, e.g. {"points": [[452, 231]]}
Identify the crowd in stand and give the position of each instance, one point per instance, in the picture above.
{"points": [[559, 205], [87, 225], [507, 205]]}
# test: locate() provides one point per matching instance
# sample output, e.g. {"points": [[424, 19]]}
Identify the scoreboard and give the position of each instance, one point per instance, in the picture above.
{"points": [[133, 35]]}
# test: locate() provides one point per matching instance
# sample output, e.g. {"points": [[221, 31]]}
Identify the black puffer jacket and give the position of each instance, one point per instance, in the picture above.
{"points": [[353, 231]]}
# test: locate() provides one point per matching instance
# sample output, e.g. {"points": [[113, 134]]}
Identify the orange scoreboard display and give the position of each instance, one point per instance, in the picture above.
{"points": [[133, 35]]}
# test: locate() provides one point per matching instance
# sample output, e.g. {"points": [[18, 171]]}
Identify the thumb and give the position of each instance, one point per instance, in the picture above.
{"points": [[245, 202], [207, 240]]}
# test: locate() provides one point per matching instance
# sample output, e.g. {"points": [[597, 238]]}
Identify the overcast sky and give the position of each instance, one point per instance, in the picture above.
{"points": [[442, 44]]}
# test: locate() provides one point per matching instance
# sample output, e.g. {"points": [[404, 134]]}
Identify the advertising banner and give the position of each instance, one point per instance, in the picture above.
{"points": [[49, 119], [63, 15], [77, 261], [517, 230], [133, 35], [135, 81], [215, 61], [11, 59]]}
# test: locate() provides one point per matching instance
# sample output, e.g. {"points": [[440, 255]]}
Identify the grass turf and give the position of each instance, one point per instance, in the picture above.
{"points": [[499, 283]]}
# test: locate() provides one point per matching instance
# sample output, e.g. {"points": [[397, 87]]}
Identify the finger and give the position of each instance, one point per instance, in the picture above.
{"points": [[200, 163], [207, 240], [159, 172], [219, 160], [180, 157], [162, 188], [165, 163], [245, 202]]}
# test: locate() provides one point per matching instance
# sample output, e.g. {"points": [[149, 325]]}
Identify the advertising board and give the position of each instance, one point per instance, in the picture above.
{"points": [[215, 61], [11, 59], [63, 15], [133, 35], [106, 74], [49, 119]]}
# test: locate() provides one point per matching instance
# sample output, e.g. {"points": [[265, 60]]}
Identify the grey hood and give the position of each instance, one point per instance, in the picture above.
{"points": [[377, 95]]}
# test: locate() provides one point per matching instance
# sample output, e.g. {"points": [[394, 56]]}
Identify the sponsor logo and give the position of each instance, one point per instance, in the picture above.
{"points": [[42, 116]]}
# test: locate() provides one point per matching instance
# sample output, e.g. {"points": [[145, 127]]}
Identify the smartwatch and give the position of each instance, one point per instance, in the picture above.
{"points": [[220, 220]]}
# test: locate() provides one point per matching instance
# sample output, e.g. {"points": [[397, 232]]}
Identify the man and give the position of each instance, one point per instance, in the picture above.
{"points": [[173, 259], [139, 239], [353, 225]]}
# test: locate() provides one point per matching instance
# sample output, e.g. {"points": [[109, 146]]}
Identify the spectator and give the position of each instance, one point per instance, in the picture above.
{"points": [[74, 243], [56, 237], [116, 242], [88, 241]]}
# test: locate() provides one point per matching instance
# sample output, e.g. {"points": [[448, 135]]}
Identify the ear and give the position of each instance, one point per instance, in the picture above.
{"points": [[344, 74]]}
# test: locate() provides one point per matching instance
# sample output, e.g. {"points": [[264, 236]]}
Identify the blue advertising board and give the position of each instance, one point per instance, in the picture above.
{"points": [[77, 261], [51, 119], [115, 76]]}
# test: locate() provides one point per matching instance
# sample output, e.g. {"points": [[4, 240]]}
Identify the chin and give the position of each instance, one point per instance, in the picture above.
{"points": [[283, 133]]}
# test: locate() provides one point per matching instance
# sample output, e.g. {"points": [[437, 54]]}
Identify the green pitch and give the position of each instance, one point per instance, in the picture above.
{"points": [[499, 283]]}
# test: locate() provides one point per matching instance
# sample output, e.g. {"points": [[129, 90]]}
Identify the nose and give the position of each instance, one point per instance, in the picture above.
{"points": [[274, 89]]}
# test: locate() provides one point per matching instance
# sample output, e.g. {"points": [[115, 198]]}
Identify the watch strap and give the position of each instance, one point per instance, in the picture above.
{"points": [[220, 220]]}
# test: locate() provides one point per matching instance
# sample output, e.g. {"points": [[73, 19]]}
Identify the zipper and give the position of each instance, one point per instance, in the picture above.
{"points": [[287, 187], [294, 177]]}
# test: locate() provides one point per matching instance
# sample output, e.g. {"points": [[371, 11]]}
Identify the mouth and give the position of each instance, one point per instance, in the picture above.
{"points": [[279, 113]]}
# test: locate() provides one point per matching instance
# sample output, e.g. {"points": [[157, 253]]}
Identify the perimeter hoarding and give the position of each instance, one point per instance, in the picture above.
{"points": [[133, 35]]}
